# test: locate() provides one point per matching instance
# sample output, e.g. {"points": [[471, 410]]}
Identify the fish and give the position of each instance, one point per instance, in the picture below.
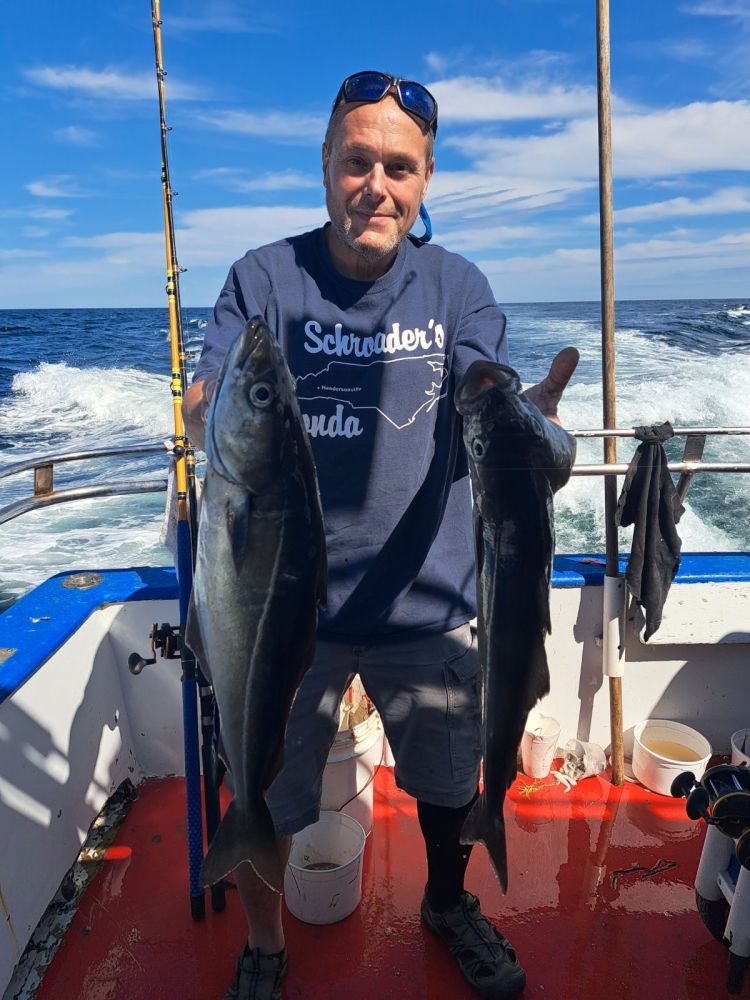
{"points": [[260, 577], [517, 460]]}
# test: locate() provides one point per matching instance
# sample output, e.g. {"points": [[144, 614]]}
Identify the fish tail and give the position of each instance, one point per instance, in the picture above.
{"points": [[239, 838], [483, 826]]}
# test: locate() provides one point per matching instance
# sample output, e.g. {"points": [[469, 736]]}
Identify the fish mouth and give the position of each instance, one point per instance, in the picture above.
{"points": [[481, 378], [255, 335]]}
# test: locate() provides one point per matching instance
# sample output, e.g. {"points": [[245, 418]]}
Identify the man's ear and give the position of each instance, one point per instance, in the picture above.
{"points": [[324, 157], [428, 175]]}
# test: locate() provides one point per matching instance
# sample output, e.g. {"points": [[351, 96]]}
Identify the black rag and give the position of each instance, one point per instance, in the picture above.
{"points": [[650, 502]]}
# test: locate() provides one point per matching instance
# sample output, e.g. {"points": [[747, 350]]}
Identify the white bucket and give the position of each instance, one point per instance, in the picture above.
{"points": [[348, 778], [538, 744], [741, 747], [326, 894], [662, 750]]}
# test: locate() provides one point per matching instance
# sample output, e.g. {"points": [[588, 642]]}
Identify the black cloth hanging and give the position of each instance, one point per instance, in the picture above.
{"points": [[650, 502]]}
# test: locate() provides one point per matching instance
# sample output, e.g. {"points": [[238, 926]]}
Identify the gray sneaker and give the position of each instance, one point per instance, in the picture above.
{"points": [[258, 977], [486, 959]]}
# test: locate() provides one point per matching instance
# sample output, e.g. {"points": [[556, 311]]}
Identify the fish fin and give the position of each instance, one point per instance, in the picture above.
{"points": [[239, 839], [238, 527], [483, 827], [194, 639]]}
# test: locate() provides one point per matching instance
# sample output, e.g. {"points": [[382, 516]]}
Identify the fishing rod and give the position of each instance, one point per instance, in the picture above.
{"points": [[194, 685]]}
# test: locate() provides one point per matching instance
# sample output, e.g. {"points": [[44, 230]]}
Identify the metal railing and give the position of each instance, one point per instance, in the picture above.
{"points": [[45, 495], [695, 441]]}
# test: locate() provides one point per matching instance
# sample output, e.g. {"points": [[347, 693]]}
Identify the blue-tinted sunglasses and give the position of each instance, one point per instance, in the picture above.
{"points": [[369, 87]]}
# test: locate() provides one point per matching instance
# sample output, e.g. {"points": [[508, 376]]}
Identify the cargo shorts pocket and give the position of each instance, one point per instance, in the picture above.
{"points": [[463, 686]]}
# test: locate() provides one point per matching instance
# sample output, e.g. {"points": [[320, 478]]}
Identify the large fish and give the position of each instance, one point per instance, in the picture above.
{"points": [[260, 575], [518, 459]]}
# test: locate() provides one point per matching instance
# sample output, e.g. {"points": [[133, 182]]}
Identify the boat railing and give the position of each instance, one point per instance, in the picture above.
{"points": [[45, 495], [691, 462]]}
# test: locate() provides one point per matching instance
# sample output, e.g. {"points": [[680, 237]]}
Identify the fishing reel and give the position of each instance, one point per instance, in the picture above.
{"points": [[722, 799], [166, 638]]}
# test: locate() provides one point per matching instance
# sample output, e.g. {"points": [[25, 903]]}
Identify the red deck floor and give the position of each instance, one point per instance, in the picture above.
{"points": [[579, 936]]}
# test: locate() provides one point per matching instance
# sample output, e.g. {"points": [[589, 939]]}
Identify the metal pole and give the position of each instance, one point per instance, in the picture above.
{"points": [[614, 593]]}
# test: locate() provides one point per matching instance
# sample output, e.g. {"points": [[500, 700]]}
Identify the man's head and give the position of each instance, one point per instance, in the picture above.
{"points": [[377, 163]]}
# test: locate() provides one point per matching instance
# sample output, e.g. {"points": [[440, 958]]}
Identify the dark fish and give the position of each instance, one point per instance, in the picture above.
{"points": [[260, 575], [518, 459]]}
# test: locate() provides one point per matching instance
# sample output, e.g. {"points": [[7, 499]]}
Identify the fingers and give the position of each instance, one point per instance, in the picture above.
{"points": [[561, 370]]}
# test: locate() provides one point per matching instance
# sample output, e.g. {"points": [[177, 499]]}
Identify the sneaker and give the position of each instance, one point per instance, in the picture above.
{"points": [[486, 959], [258, 976]]}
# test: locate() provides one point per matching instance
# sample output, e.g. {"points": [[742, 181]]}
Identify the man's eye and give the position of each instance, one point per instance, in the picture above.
{"points": [[356, 163]]}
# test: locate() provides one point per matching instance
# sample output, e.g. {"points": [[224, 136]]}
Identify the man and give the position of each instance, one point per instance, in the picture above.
{"points": [[378, 328]]}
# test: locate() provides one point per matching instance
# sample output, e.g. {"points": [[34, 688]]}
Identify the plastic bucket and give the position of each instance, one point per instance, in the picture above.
{"points": [[538, 744], [323, 879], [662, 750], [348, 776], [741, 747]]}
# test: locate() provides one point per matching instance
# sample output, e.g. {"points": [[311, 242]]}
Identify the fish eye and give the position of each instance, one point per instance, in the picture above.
{"points": [[478, 448], [261, 394]]}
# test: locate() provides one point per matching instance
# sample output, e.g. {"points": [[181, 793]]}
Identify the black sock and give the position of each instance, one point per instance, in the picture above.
{"points": [[447, 858]]}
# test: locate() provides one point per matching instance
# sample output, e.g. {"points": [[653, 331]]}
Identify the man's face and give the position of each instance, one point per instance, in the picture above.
{"points": [[375, 177]]}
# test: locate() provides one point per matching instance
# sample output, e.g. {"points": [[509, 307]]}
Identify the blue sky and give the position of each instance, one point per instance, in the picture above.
{"points": [[248, 91]]}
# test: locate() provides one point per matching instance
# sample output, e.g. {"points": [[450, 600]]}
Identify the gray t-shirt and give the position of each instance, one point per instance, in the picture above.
{"points": [[376, 365]]}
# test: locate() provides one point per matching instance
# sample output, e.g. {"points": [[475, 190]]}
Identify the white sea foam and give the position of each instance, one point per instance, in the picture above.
{"points": [[89, 406], [63, 407], [654, 386], [56, 408]]}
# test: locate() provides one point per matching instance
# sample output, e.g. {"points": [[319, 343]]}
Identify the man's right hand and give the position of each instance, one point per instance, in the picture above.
{"points": [[194, 410]]}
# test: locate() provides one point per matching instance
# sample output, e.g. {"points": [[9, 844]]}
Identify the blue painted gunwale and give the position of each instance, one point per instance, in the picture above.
{"points": [[41, 621]]}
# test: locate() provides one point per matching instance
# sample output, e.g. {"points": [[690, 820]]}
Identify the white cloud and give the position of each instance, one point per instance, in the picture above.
{"points": [[59, 186], [36, 213], [15, 253], [660, 268], [205, 237], [479, 99], [109, 83], [215, 236], [737, 9], [696, 137], [223, 16], [281, 126], [75, 135], [727, 201], [280, 180]]}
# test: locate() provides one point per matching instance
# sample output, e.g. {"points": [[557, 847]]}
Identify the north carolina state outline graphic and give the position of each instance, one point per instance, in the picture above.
{"points": [[352, 379]]}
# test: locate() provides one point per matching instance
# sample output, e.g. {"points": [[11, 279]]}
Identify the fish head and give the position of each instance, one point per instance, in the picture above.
{"points": [[248, 436], [496, 419], [506, 432]]}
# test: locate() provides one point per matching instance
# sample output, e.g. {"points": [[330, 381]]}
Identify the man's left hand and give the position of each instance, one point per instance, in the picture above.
{"points": [[547, 393]]}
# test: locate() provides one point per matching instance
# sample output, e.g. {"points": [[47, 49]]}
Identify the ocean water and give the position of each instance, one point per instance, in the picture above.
{"points": [[79, 379]]}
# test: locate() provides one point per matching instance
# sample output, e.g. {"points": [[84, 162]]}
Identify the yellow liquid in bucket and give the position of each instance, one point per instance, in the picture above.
{"points": [[671, 750]]}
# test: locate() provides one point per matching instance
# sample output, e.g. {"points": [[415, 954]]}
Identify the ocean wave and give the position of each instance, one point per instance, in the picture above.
{"points": [[683, 362], [58, 402]]}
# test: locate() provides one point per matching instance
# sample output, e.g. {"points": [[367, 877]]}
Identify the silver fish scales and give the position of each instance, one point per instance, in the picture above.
{"points": [[260, 576], [518, 459]]}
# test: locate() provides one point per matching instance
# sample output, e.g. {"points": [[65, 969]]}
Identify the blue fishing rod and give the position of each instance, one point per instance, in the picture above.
{"points": [[194, 685]]}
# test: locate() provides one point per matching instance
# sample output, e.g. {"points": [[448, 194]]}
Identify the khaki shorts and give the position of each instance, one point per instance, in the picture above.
{"points": [[427, 691]]}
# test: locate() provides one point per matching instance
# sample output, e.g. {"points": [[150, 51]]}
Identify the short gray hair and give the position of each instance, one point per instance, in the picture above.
{"points": [[340, 110]]}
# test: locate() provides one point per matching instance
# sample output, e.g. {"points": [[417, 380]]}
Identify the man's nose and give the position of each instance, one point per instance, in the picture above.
{"points": [[375, 183]]}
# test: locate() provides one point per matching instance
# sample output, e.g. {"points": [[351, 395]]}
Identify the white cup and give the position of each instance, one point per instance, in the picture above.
{"points": [[538, 744]]}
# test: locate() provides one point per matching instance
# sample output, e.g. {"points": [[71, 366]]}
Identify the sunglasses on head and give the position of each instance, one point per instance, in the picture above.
{"points": [[370, 87]]}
